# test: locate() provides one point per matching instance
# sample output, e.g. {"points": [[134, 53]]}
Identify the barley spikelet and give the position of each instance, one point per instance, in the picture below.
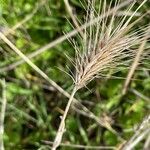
{"points": [[106, 45]]}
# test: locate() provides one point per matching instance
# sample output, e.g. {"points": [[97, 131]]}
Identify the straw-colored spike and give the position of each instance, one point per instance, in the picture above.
{"points": [[103, 47]]}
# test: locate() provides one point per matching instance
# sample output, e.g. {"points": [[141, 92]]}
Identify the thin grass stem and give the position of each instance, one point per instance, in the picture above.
{"points": [[61, 128]]}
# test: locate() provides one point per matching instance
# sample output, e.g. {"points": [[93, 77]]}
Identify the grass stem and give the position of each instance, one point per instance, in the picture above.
{"points": [[2, 114], [61, 128]]}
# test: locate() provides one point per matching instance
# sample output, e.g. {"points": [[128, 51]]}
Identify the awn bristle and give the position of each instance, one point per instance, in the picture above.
{"points": [[107, 45]]}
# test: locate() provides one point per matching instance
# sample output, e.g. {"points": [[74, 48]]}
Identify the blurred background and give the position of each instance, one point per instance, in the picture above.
{"points": [[100, 117]]}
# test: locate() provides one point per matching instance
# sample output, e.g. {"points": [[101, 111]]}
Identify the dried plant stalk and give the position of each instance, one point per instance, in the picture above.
{"points": [[133, 67], [105, 45], [2, 113], [142, 130]]}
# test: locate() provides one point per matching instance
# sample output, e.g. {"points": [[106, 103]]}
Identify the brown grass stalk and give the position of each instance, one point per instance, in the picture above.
{"points": [[82, 146], [139, 134], [134, 66], [2, 113]]}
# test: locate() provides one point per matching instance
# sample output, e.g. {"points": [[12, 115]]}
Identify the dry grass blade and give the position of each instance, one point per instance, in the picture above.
{"points": [[140, 133], [61, 129], [134, 66], [70, 12], [27, 60], [140, 95], [2, 114], [104, 46], [147, 143], [81, 146]]}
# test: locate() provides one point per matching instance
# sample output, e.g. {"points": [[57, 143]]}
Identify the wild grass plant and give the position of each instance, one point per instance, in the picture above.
{"points": [[104, 46], [113, 39]]}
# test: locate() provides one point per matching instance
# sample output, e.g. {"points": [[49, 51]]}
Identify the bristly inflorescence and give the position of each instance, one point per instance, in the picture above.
{"points": [[106, 45]]}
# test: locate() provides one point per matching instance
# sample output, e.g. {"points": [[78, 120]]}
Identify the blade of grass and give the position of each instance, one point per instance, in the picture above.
{"points": [[140, 133], [69, 9], [134, 66], [80, 146], [2, 114], [61, 129]]}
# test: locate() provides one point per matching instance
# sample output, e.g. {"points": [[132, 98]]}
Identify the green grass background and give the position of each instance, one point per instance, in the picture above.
{"points": [[34, 106]]}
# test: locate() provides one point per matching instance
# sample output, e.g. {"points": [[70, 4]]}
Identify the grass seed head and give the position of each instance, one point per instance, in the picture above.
{"points": [[108, 44]]}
